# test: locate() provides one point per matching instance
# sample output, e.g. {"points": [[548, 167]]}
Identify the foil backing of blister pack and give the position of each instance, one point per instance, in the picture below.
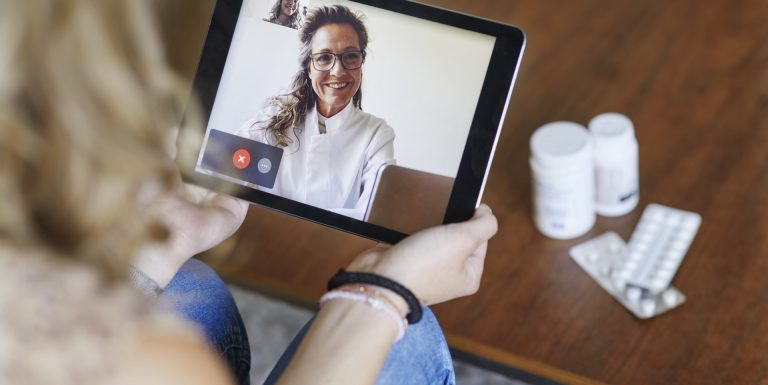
{"points": [[600, 255]]}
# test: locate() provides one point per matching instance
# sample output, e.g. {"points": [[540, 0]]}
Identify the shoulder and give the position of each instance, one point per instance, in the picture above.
{"points": [[378, 127], [162, 358], [255, 127]]}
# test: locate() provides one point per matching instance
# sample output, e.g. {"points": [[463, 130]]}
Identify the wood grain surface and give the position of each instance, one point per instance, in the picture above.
{"points": [[693, 76]]}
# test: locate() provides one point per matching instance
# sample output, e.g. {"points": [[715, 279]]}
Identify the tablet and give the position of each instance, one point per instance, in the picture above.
{"points": [[306, 101], [408, 200]]}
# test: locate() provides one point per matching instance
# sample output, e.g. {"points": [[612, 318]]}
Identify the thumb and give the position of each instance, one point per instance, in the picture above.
{"points": [[478, 229]]}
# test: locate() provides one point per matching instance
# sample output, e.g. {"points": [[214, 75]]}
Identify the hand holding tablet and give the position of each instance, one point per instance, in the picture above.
{"points": [[359, 86]]}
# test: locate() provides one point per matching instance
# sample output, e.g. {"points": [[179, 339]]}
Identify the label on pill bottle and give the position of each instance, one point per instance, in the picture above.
{"points": [[562, 167]]}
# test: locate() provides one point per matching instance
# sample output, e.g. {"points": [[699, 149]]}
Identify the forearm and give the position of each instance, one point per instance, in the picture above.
{"points": [[346, 344]]}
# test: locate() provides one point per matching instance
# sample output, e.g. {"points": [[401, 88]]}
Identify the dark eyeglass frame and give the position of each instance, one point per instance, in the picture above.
{"points": [[313, 57]]}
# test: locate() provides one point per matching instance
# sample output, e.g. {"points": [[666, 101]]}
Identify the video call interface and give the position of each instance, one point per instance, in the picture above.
{"points": [[322, 133]]}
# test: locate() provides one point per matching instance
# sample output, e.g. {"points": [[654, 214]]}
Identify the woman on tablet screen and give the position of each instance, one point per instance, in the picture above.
{"points": [[285, 13], [333, 148]]}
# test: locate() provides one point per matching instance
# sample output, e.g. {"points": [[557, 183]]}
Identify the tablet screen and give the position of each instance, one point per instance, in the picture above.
{"points": [[342, 89]]}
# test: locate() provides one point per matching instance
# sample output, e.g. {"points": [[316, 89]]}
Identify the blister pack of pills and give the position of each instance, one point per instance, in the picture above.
{"points": [[599, 256], [657, 247]]}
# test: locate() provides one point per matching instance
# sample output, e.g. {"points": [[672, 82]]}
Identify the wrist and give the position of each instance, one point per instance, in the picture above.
{"points": [[343, 277], [143, 283], [393, 299], [155, 262], [363, 311]]}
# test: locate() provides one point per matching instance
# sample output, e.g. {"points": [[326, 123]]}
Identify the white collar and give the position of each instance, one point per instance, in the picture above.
{"points": [[333, 124]]}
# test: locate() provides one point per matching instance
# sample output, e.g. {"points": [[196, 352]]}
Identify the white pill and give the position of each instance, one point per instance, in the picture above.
{"points": [[619, 283], [592, 256], [631, 265], [645, 237], [668, 264], [684, 236], [675, 255], [650, 228], [690, 223], [665, 274], [634, 293], [636, 255], [605, 270], [674, 220], [678, 245], [615, 247], [641, 246], [670, 297], [656, 215], [647, 306], [659, 283]]}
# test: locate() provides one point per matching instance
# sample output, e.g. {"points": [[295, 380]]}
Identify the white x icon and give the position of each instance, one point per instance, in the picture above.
{"points": [[241, 159]]}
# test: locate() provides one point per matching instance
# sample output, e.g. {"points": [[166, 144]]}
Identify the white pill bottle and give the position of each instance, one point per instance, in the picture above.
{"points": [[616, 164], [562, 168]]}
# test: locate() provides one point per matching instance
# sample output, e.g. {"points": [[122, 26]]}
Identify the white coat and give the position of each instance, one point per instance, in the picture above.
{"points": [[335, 170]]}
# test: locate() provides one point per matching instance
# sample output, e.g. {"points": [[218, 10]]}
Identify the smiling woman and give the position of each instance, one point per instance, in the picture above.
{"points": [[285, 13], [333, 148]]}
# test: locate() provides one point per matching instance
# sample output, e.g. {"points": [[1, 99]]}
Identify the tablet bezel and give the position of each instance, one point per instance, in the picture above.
{"points": [[481, 141]]}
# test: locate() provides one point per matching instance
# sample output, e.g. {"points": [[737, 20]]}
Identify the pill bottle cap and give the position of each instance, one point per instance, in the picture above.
{"points": [[611, 130], [561, 145]]}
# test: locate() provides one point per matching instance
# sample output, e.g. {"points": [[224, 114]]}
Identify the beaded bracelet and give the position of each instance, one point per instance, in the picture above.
{"points": [[373, 301], [370, 290], [343, 277]]}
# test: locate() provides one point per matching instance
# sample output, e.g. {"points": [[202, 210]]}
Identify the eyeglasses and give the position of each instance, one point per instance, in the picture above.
{"points": [[324, 61]]}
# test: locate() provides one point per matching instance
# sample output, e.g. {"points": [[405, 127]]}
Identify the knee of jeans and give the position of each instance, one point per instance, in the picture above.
{"points": [[199, 295], [426, 331], [196, 282], [422, 354]]}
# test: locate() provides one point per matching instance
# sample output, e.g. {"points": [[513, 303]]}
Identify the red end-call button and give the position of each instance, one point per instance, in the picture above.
{"points": [[241, 159]]}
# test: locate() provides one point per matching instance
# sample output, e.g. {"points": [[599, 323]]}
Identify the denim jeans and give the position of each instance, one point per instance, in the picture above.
{"points": [[199, 295], [420, 358]]}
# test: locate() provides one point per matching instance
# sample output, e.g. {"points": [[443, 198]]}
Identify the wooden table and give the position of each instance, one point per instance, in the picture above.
{"points": [[693, 76]]}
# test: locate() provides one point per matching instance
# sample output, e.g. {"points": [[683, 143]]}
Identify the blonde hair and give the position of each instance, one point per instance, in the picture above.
{"points": [[87, 104]]}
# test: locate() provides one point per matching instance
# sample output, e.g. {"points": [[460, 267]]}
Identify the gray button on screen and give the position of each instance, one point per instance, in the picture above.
{"points": [[264, 165]]}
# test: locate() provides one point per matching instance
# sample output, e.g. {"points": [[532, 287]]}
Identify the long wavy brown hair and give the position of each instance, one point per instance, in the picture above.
{"points": [[292, 107], [86, 106]]}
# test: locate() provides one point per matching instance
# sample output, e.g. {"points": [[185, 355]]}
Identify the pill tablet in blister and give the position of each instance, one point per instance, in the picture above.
{"points": [[631, 265], [616, 247], [647, 306], [673, 220], [640, 302], [670, 297], [665, 274], [658, 284], [690, 224], [666, 263], [661, 238], [623, 275], [675, 255], [634, 293], [655, 215]]}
